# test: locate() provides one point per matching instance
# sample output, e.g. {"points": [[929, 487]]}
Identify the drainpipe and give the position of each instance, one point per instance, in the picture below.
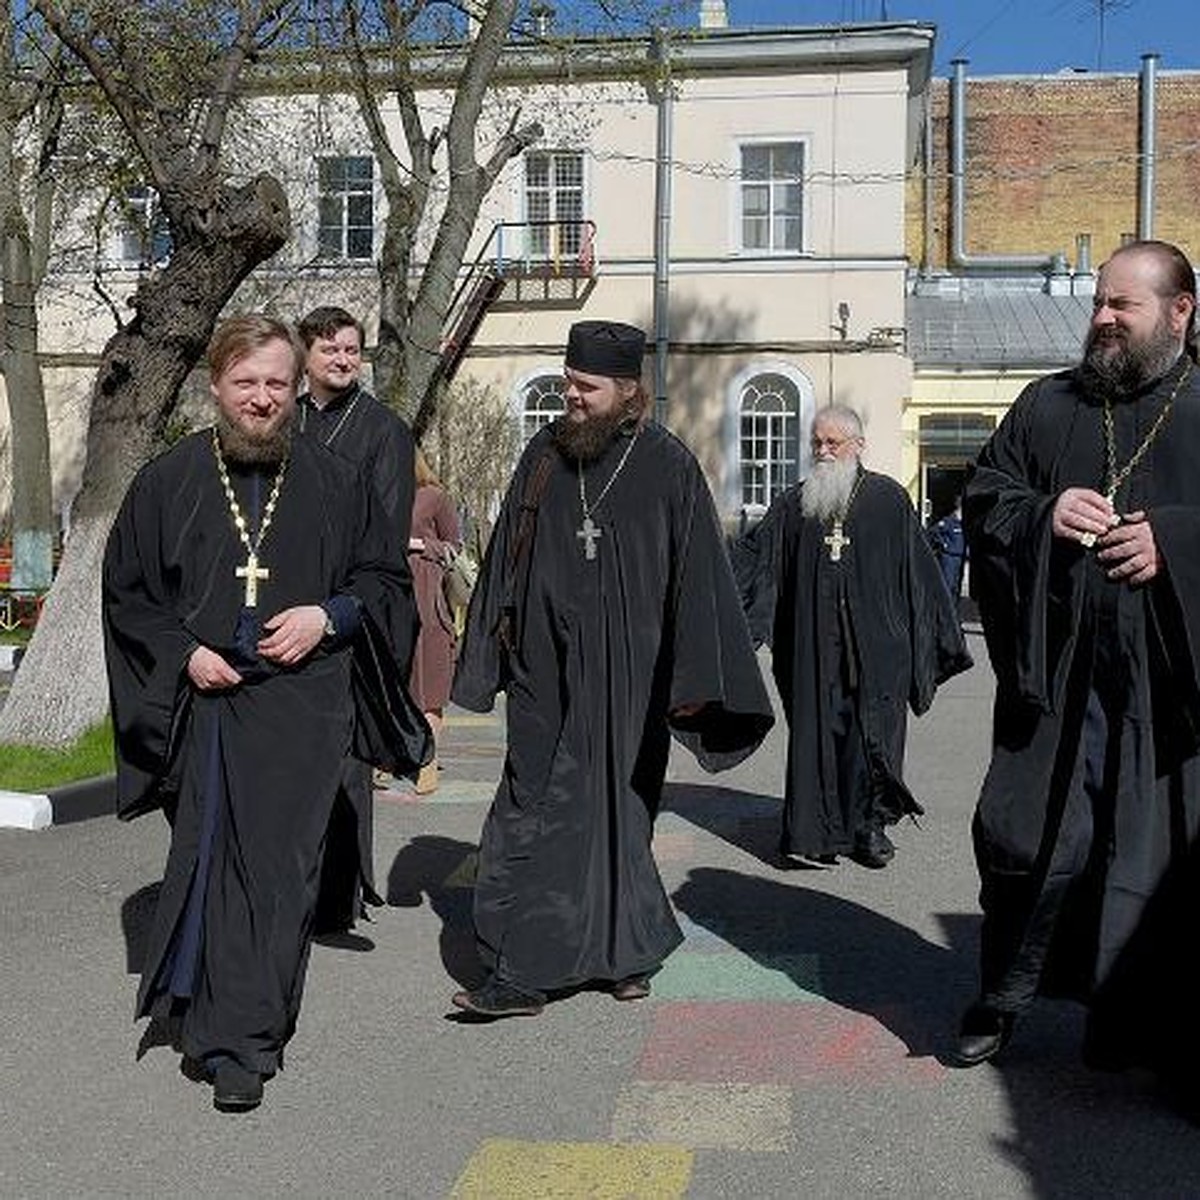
{"points": [[927, 186], [959, 256], [664, 97], [1146, 137]]}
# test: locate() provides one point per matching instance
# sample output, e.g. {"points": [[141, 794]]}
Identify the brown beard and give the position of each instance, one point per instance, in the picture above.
{"points": [[255, 449], [585, 441]]}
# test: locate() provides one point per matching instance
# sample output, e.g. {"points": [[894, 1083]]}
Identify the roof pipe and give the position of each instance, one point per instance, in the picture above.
{"points": [[959, 256], [1146, 140]]}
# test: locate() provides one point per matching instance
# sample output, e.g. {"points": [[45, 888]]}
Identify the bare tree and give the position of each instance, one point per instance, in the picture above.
{"points": [[171, 75], [410, 325], [30, 108]]}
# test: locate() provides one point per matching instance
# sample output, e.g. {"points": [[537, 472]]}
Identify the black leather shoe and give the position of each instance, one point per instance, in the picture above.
{"points": [[235, 1089], [635, 987], [496, 999], [984, 1033], [874, 849]]}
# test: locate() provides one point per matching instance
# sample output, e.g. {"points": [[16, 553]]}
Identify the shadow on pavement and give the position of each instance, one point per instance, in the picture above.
{"points": [[748, 820], [443, 869], [867, 963]]}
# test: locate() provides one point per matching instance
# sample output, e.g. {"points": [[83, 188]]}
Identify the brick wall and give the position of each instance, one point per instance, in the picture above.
{"points": [[1049, 157]]}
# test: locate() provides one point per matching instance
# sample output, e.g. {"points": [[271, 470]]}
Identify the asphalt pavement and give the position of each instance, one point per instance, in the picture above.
{"points": [[793, 1046]]}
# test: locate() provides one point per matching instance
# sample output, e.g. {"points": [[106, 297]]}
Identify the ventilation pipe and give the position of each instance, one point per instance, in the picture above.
{"points": [[664, 96], [1146, 137], [959, 256]]}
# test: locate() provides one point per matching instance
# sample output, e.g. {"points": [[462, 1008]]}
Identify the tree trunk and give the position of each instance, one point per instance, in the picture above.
{"points": [[61, 686], [32, 504]]}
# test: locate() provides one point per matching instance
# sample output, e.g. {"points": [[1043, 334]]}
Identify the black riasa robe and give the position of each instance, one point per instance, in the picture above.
{"points": [[248, 776], [900, 626], [568, 891], [357, 427], [1092, 900]]}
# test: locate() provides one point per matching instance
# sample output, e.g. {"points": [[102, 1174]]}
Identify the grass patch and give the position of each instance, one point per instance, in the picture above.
{"points": [[35, 768], [15, 637]]}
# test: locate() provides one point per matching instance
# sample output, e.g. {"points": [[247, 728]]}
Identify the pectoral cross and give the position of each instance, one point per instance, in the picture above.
{"points": [[589, 531], [252, 573], [835, 541]]}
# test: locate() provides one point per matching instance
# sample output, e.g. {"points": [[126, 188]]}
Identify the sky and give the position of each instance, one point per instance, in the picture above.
{"points": [[1001, 37]]}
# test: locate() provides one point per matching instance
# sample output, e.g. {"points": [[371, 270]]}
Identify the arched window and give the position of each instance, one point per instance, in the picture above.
{"points": [[541, 403], [770, 437]]}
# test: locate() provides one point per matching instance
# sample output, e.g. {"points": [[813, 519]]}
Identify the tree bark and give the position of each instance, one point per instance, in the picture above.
{"points": [[61, 687], [32, 502]]}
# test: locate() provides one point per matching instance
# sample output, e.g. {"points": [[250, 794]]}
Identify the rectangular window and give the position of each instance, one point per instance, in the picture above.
{"points": [[554, 202], [145, 236], [772, 182], [346, 207]]}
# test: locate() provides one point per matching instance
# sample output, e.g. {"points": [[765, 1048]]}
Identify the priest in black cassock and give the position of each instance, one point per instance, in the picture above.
{"points": [[863, 628], [607, 613], [345, 418], [1083, 516], [251, 609]]}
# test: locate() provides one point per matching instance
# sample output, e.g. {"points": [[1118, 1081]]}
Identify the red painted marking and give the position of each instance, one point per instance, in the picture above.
{"points": [[745, 1042]]}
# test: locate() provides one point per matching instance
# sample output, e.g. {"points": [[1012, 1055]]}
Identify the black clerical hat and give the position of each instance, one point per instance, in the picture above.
{"points": [[606, 348]]}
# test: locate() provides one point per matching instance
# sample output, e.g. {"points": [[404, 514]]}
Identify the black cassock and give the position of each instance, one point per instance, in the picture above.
{"points": [[248, 776], [357, 427], [1086, 827], [568, 891], [875, 629]]}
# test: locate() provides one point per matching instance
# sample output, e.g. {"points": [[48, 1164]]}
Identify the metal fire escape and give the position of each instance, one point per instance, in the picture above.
{"points": [[522, 265]]}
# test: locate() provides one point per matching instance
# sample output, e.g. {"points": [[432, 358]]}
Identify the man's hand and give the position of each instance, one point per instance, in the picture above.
{"points": [[293, 634], [1082, 515], [1130, 551], [209, 672]]}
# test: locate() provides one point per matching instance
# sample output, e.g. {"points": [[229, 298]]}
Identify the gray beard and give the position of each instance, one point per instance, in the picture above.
{"points": [[240, 447], [826, 491], [1129, 368]]}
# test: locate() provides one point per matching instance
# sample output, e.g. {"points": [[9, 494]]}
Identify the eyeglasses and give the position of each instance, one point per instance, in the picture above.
{"points": [[834, 444]]}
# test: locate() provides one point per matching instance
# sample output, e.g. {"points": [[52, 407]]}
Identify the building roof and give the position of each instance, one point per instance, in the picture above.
{"points": [[997, 328]]}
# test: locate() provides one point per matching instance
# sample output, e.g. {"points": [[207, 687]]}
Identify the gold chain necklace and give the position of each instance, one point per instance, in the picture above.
{"points": [[1115, 477], [251, 572], [836, 539], [328, 442], [589, 531]]}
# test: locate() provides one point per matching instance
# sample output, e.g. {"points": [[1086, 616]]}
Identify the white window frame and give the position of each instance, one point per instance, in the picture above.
{"points": [[520, 401], [737, 193], [544, 251], [733, 425], [345, 226], [138, 211]]}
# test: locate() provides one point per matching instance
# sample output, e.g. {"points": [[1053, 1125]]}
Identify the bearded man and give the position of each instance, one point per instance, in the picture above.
{"points": [[1083, 518], [862, 626], [606, 611], [246, 569]]}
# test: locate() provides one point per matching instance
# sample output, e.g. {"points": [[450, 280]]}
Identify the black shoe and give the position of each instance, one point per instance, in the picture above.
{"points": [[496, 999], [235, 1089], [634, 987], [984, 1033], [874, 849], [814, 862]]}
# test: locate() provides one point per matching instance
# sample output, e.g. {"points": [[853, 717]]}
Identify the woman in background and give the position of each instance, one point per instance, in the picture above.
{"points": [[435, 535]]}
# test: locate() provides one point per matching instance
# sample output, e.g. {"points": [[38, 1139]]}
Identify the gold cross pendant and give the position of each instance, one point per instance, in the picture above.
{"points": [[252, 573]]}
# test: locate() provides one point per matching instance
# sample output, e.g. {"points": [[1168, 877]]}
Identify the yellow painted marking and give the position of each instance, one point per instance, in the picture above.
{"points": [[502, 1169]]}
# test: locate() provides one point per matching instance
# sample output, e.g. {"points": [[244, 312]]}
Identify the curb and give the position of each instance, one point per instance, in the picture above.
{"points": [[78, 801]]}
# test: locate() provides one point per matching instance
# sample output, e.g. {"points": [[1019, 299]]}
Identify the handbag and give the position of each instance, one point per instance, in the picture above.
{"points": [[458, 578]]}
